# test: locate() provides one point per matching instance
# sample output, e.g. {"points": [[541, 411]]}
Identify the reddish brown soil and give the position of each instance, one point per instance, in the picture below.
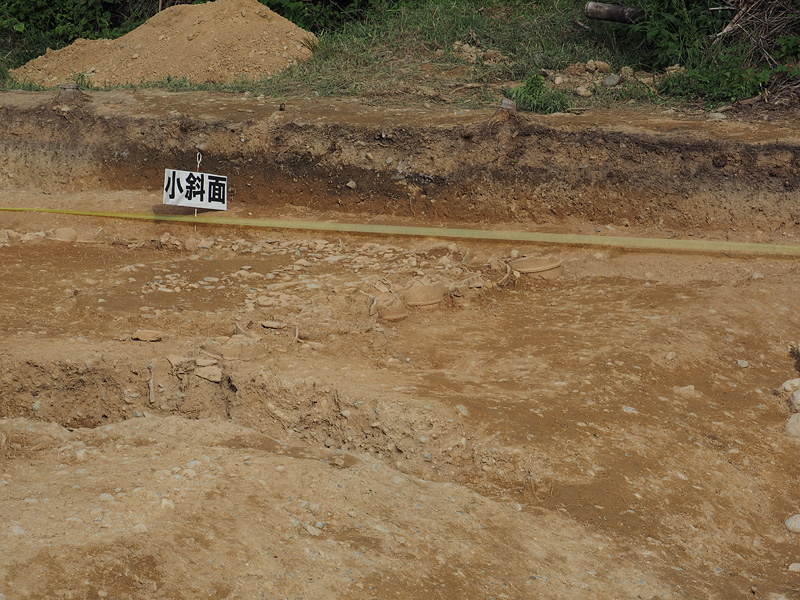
{"points": [[524, 438]]}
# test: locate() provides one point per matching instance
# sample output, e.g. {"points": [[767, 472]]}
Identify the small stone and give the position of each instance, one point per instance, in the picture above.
{"points": [[312, 530], [191, 244], [716, 116], [757, 275], [791, 385], [602, 66], [210, 373], [147, 335], [794, 568], [792, 428], [686, 391], [105, 497], [462, 409], [612, 80], [583, 91], [630, 409], [140, 528], [65, 234], [206, 243], [793, 523], [742, 363], [671, 355], [351, 184]]}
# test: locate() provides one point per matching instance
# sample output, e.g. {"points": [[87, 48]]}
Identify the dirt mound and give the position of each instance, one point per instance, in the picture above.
{"points": [[215, 42]]}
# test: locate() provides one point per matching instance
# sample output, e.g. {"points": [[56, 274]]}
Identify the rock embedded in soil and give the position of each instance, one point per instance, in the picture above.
{"points": [[65, 234], [792, 426], [794, 401], [793, 523], [686, 391], [147, 335], [791, 385], [211, 373]]}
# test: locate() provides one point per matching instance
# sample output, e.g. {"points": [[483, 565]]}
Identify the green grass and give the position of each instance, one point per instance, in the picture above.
{"points": [[405, 53], [535, 96]]}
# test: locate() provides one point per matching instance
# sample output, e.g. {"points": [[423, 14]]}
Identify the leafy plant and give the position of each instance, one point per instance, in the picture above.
{"points": [[715, 69], [788, 48], [677, 31], [536, 97]]}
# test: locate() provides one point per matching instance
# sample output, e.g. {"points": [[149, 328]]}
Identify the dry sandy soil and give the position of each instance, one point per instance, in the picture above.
{"points": [[213, 42], [218, 411]]}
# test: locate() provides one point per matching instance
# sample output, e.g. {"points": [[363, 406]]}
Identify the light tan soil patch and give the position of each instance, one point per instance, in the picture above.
{"points": [[617, 432], [219, 41]]}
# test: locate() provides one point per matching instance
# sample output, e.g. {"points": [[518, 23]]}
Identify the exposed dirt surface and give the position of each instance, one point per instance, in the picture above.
{"points": [[215, 42], [232, 412]]}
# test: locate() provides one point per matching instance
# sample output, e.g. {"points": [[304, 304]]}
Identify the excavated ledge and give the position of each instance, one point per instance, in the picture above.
{"points": [[469, 166]]}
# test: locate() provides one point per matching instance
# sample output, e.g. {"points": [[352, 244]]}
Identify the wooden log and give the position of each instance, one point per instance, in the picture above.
{"points": [[613, 12]]}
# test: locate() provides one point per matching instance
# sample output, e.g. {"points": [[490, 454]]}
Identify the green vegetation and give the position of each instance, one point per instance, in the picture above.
{"points": [[537, 97], [411, 50], [468, 51], [720, 64]]}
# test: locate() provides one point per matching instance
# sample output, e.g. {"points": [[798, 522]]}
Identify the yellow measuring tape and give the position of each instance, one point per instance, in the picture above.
{"points": [[443, 232]]}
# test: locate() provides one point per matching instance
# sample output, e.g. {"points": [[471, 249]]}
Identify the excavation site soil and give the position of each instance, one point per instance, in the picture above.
{"points": [[291, 405]]}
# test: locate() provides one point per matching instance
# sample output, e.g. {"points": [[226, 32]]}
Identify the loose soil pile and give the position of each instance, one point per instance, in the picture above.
{"points": [[215, 42]]}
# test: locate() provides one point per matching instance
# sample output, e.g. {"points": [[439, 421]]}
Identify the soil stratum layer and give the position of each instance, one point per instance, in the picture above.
{"points": [[203, 411]]}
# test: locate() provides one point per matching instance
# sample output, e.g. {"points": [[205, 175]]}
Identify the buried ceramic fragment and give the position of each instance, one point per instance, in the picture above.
{"points": [[391, 309], [544, 267], [424, 294]]}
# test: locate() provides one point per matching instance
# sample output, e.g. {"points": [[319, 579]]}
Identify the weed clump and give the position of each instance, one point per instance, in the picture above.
{"points": [[738, 50], [535, 96]]}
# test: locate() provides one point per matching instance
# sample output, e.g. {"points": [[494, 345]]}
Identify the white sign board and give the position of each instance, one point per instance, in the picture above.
{"points": [[195, 190]]}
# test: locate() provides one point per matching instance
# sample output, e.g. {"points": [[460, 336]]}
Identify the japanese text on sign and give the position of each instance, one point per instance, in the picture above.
{"points": [[195, 190]]}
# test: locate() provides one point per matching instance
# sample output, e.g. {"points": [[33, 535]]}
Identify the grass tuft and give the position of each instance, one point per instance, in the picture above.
{"points": [[535, 96]]}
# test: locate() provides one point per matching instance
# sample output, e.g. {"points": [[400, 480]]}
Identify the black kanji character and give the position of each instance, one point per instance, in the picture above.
{"points": [[217, 188], [195, 186]]}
